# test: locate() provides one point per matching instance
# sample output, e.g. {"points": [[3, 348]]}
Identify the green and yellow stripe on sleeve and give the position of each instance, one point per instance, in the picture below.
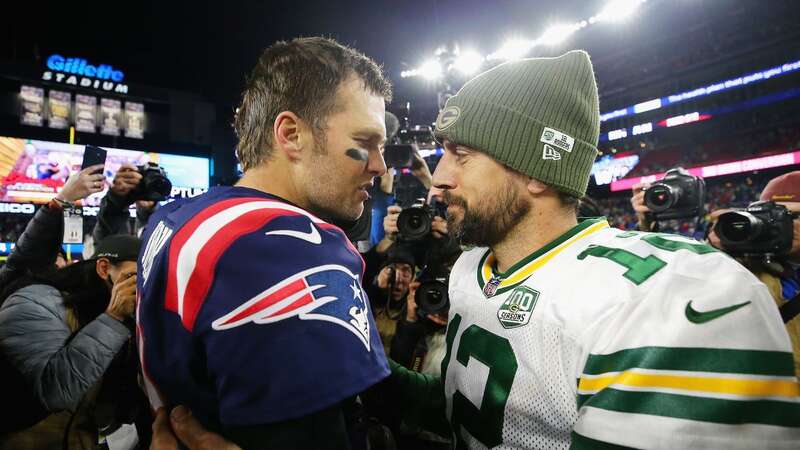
{"points": [[722, 386]]}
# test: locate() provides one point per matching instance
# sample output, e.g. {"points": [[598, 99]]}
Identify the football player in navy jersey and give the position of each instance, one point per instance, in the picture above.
{"points": [[252, 311]]}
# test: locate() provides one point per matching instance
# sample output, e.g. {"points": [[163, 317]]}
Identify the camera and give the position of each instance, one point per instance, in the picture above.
{"points": [[401, 154], [678, 195], [414, 223], [763, 228], [431, 296], [154, 186]]}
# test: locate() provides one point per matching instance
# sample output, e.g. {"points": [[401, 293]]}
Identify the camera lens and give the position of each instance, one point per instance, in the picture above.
{"points": [[414, 224], [660, 197], [738, 226], [431, 297]]}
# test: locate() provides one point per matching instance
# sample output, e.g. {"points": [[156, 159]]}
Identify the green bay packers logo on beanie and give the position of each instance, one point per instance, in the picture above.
{"points": [[447, 117]]}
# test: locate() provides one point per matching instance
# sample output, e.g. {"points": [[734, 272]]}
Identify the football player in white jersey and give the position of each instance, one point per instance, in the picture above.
{"points": [[567, 334]]}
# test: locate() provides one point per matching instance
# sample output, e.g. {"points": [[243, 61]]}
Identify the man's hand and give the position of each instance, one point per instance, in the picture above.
{"points": [[181, 426], [126, 180], [439, 227], [390, 229], [411, 304], [641, 209], [419, 168], [83, 184], [385, 277], [123, 298]]}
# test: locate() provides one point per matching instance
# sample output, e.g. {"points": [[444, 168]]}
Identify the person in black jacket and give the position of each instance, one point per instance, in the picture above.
{"points": [[38, 246]]}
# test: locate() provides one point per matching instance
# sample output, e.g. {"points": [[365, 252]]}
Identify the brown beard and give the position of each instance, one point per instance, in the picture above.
{"points": [[489, 221]]}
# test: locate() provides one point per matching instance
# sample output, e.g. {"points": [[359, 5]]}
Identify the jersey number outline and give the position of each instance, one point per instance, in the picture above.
{"points": [[484, 424], [641, 269]]}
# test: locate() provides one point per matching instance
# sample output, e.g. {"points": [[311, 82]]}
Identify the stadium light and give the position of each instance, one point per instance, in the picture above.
{"points": [[468, 62], [617, 11], [430, 70], [513, 49], [614, 11], [557, 34]]}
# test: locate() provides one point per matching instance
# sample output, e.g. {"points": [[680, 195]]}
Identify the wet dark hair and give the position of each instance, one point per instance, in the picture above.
{"points": [[302, 76]]}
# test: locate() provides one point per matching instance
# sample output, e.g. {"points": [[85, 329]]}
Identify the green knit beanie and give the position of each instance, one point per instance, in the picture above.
{"points": [[539, 116]]}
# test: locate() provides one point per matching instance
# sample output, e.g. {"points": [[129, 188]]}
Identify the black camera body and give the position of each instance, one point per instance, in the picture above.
{"points": [[414, 223], [154, 185], [763, 228], [678, 195], [432, 295], [400, 153]]}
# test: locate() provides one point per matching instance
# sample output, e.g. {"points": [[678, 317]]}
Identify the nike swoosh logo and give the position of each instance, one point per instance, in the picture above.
{"points": [[312, 236], [698, 317]]}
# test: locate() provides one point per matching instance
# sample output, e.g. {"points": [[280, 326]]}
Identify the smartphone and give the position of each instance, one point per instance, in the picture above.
{"points": [[93, 156], [398, 156]]}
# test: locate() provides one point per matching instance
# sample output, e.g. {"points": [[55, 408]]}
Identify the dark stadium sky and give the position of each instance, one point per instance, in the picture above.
{"points": [[208, 46]]}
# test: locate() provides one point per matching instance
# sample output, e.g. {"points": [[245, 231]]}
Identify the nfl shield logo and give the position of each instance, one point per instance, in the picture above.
{"points": [[490, 288], [516, 311]]}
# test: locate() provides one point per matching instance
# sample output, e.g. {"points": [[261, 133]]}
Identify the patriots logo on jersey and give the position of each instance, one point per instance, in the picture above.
{"points": [[329, 293]]}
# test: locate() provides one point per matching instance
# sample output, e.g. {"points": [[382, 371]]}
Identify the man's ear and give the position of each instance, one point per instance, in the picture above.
{"points": [[536, 187], [102, 266], [287, 131]]}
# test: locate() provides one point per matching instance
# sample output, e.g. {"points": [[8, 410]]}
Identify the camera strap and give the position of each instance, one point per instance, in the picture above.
{"points": [[790, 309]]}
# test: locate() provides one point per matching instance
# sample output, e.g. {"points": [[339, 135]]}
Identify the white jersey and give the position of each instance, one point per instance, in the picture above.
{"points": [[611, 338]]}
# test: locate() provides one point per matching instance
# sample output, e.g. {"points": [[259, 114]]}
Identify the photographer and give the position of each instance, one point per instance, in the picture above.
{"points": [[126, 189], [408, 238], [418, 343], [401, 156], [38, 247], [389, 289], [773, 255], [60, 335]]}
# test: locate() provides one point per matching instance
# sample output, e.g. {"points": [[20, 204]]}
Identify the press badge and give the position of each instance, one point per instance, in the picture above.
{"points": [[73, 226]]}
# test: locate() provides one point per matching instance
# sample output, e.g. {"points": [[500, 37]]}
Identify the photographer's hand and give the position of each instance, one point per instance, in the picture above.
{"points": [[411, 304], [390, 229], [83, 184], [126, 180], [439, 227], [123, 298], [641, 209], [419, 168], [385, 277]]}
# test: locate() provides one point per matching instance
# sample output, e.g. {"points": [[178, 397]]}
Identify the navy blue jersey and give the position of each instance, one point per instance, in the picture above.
{"points": [[251, 310]]}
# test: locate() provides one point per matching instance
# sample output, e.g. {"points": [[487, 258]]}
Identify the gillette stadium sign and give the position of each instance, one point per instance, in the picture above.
{"points": [[78, 72]]}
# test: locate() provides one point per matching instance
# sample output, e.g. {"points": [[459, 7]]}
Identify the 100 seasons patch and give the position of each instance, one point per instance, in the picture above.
{"points": [[517, 309]]}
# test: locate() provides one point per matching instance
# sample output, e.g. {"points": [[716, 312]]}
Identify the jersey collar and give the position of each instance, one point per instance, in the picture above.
{"points": [[520, 271]]}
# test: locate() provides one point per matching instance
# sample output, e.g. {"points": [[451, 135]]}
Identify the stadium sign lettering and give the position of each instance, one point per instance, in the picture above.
{"points": [[78, 72]]}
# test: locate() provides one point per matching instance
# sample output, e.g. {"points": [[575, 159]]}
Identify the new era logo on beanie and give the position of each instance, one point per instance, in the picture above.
{"points": [[539, 116]]}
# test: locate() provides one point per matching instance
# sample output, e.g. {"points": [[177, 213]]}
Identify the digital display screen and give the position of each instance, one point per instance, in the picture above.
{"points": [[34, 171], [608, 169]]}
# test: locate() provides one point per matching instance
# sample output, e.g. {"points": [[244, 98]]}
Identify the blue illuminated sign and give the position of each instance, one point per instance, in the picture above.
{"points": [[79, 66], [702, 91]]}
